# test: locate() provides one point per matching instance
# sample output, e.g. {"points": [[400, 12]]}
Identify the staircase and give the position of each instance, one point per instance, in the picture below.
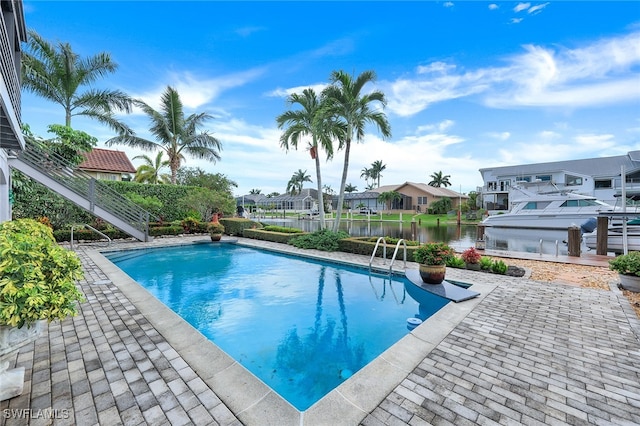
{"points": [[53, 171]]}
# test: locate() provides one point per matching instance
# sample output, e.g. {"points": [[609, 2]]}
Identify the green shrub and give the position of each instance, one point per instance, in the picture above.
{"points": [[456, 262], [324, 240], [499, 267], [236, 225], [485, 263], [276, 237], [85, 234], [283, 229], [626, 264], [157, 231], [37, 276]]}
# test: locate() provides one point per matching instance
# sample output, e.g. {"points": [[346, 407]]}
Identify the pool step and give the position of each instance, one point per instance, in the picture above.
{"points": [[446, 289]]}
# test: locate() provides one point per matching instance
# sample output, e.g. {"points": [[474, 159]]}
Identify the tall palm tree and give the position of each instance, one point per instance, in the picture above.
{"points": [[255, 191], [355, 109], [297, 181], [175, 134], [149, 172], [366, 174], [350, 188], [57, 73], [438, 180], [309, 121], [376, 170]]}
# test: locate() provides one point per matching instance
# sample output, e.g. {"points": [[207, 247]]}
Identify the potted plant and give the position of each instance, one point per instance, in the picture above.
{"points": [[628, 268], [216, 229], [433, 258], [471, 257], [37, 283]]}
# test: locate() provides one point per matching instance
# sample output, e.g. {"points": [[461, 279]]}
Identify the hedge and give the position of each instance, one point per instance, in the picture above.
{"points": [[237, 226], [276, 237], [87, 234]]}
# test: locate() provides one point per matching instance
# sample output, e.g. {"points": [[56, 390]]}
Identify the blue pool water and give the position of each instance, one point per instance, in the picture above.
{"points": [[301, 326]]}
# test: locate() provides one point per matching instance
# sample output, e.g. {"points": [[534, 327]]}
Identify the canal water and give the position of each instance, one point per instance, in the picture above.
{"points": [[458, 236]]}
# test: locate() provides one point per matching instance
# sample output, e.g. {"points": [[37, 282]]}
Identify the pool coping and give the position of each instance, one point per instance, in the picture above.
{"points": [[254, 402]]}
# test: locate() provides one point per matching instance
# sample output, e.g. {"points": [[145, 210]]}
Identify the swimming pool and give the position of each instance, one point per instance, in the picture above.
{"points": [[301, 326]]}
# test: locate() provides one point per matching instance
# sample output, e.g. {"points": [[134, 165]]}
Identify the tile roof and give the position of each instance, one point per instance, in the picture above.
{"points": [[107, 160]]}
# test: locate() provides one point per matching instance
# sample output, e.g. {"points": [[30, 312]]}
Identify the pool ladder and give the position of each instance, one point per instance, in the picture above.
{"points": [[384, 252]]}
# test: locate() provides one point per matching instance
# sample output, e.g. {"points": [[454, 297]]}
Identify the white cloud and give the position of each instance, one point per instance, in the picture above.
{"points": [[493, 6], [521, 6], [538, 8], [284, 92]]}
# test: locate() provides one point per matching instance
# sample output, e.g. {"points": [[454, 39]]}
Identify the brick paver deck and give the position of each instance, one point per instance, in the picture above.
{"points": [[528, 353]]}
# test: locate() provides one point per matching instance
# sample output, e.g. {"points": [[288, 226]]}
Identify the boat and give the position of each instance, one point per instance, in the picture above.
{"points": [[615, 237], [546, 208]]}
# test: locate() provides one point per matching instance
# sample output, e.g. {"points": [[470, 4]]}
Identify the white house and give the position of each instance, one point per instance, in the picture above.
{"points": [[598, 177]]}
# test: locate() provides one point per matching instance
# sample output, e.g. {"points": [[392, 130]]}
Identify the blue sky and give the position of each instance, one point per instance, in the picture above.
{"points": [[469, 84]]}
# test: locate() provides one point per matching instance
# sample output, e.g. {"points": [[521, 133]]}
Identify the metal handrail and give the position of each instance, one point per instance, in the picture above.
{"points": [[43, 159], [375, 249], [84, 225], [395, 252]]}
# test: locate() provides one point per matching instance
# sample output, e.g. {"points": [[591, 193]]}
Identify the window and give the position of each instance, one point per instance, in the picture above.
{"points": [[422, 200], [571, 180], [603, 184], [544, 178], [504, 185]]}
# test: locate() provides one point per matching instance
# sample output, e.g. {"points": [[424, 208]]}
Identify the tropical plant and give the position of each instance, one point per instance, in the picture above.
{"points": [[57, 73], [471, 255], [295, 184], [436, 253], [149, 172], [207, 202], [442, 206], [37, 276], [376, 170], [195, 176], [366, 174], [499, 267], [215, 228], [485, 263], [311, 121], [438, 180], [175, 134], [626, 264], [350, 188], [388, 197], [355, 110], [324, 239], [255, 191]]}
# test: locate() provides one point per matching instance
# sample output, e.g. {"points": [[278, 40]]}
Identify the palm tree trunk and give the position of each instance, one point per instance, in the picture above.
{"points": [[343, 182], [320, 194]]}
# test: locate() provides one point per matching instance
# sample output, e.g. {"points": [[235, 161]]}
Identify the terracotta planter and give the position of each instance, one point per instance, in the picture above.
{"points": [[630, 282], [216, 237], [432, 274]]}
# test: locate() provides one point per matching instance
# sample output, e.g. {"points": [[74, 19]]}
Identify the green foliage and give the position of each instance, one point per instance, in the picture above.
{"points": [[499, 267], [391, 241], [69, 143], [37, 276], [82, 234], [236, 225], [283, 229], [157, 231], [626, 264], [442, 206], [456, 262], [149, 203], [215, 228], [276, 237], [485, 263], [324, 240], [195, 176], [207, 202], [436, 253]]}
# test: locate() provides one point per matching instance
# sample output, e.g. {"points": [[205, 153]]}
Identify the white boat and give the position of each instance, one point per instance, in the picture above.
{"points": [[615, 237], [547, 209]]}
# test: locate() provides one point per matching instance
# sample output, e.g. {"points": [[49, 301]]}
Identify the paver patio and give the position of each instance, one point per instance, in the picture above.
{"points": [[526, 353]]}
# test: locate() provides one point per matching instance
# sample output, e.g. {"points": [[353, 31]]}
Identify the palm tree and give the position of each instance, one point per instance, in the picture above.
{"points": [[255, 191], [175, 133], [438, 180], [350, 188], [355, 109], [389, 197], [149, 172], [366, 174], [310, 121], [294, 186], [57, 73], [376, 170]]}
